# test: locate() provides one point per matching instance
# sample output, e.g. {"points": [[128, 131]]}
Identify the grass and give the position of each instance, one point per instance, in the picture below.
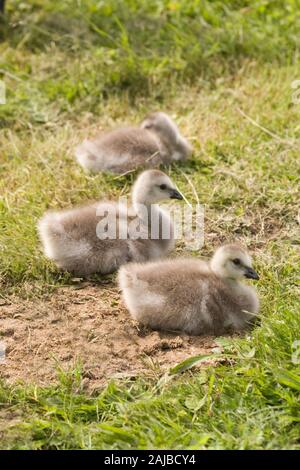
{"points": [[74, 66]]}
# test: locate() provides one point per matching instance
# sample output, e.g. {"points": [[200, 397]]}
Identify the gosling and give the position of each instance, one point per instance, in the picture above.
{"points": [[194, 296], [78, 241], [156, 141]]}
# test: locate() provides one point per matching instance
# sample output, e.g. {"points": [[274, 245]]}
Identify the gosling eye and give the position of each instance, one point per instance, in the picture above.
{"points": [[236, 261], [148, 125], [163, 187]]}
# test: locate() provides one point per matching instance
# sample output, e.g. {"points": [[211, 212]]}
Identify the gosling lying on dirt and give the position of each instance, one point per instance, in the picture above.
{"points": [[156, 141], [76, 239], [194, 296]]}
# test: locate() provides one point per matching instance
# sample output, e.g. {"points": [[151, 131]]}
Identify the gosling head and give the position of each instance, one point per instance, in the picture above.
{"points": [[233, 262], [153, 186], [167, 131]]}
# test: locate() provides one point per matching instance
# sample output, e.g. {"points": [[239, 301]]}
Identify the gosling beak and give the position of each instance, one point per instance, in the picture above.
{"points": [[174, 194], [251, 274]]}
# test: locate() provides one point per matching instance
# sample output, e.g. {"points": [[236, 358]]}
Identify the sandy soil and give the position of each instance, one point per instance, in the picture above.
{"points": [[90, 324]]}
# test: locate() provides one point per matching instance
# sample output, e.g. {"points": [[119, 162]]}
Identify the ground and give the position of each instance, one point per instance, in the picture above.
{"points": [[78, 372], [86, 325]]}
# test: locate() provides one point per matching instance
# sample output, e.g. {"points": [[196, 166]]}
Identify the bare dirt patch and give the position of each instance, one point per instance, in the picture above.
{"points": [[90, 325]]}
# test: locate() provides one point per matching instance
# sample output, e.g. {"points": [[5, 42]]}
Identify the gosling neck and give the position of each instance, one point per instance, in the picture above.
{"points": [[143, 206]]}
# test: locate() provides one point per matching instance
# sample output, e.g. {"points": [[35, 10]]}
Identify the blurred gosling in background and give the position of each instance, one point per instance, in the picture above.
{"points": [[157, 141]]}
